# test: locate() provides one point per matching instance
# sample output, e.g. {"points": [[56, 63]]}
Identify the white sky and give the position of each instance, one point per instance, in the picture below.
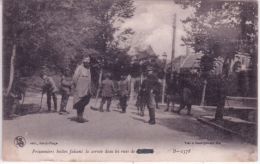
{"points": [[152, 24]]}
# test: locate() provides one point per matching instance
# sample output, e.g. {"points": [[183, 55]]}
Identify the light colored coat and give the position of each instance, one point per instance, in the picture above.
{"points": [[81, 82]]}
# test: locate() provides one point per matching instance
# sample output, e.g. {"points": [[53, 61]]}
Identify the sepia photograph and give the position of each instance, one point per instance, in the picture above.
{"points": [[130, 80]]}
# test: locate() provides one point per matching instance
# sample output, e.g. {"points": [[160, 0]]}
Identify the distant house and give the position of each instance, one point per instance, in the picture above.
{"points": [[143, 53], [192, 63], [187, 62]]}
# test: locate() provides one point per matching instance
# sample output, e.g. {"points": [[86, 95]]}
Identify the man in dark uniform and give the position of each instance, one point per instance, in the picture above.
{"points": [[147, 90], [107, 91], [186, 97], [171, 92], [124, 92]]}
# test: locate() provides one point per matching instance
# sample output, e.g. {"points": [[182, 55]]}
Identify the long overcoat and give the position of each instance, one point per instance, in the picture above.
{"points": [[81, 82]]}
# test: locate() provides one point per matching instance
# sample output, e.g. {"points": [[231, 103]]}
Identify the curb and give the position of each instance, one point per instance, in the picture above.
{"points": [[217, 126]]}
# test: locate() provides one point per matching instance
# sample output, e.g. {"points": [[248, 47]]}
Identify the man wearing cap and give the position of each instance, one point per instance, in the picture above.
{"points": [[147, 89], [124, 92], [82, 84], [107, 91]]}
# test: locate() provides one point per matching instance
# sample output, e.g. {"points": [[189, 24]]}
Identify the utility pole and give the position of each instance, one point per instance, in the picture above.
{"points": [[164, 77], [173, 41]]}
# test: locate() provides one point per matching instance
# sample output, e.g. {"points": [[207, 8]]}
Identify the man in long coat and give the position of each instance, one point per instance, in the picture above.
{"points": [[82, 85]]}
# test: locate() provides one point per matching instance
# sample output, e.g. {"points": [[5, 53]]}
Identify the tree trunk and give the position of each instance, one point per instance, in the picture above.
{"points": [[12, 63], [99, 83], [163, 90], [202, 103]]}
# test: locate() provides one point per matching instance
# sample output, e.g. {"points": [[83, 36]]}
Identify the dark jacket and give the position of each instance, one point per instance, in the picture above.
{"points": [[107, 88], [123, 88], [186, 96]]}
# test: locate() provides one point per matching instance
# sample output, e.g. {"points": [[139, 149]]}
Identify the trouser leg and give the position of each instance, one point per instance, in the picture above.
{"points": [[182, 105], [54, 97], [189, 108], [109, 99], [123, 103], [49, 101], [151, 115], [81, 108], [64, 102], [103, 100], [151, 108]]}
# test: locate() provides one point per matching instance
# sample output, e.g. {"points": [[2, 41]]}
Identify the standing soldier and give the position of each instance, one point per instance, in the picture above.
{"points": [[66, 86], [124, 92], [107, 90], [82, 84], [49, 87], [147, 90]]}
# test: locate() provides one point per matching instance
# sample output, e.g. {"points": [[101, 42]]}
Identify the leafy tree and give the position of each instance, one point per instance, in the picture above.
{"points": [[223, 28], [56, 33], [109, 39]]}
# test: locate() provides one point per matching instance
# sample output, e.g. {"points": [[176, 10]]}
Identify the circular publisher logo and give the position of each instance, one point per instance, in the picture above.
{"points": [[19, 141]]}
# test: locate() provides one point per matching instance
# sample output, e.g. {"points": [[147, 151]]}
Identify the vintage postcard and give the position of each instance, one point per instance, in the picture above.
{"points": [[130, 80]]}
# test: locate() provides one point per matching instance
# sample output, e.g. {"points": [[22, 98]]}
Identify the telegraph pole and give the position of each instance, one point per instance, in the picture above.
{"points": [[173, 41], [164, 77]]}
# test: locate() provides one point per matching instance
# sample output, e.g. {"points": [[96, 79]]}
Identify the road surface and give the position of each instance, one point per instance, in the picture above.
{"points": [[114, 130]]}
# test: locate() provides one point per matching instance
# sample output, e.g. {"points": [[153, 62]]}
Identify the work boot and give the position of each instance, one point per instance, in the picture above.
{"points": [[151, 122], [81, 119]]}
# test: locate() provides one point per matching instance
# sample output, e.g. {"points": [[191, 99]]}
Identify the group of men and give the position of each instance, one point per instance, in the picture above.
{"points": [[179, 89], [108, 91], [81, 81]]}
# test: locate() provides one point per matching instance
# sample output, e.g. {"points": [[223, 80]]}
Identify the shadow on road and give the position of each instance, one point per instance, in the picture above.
{"points": [[139, 119], [119, 111], [193, 128], [26, 109]]}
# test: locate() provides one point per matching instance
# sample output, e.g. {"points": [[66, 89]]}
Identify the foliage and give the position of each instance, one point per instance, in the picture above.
{"points": [[54, 34], [222, 28]]}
